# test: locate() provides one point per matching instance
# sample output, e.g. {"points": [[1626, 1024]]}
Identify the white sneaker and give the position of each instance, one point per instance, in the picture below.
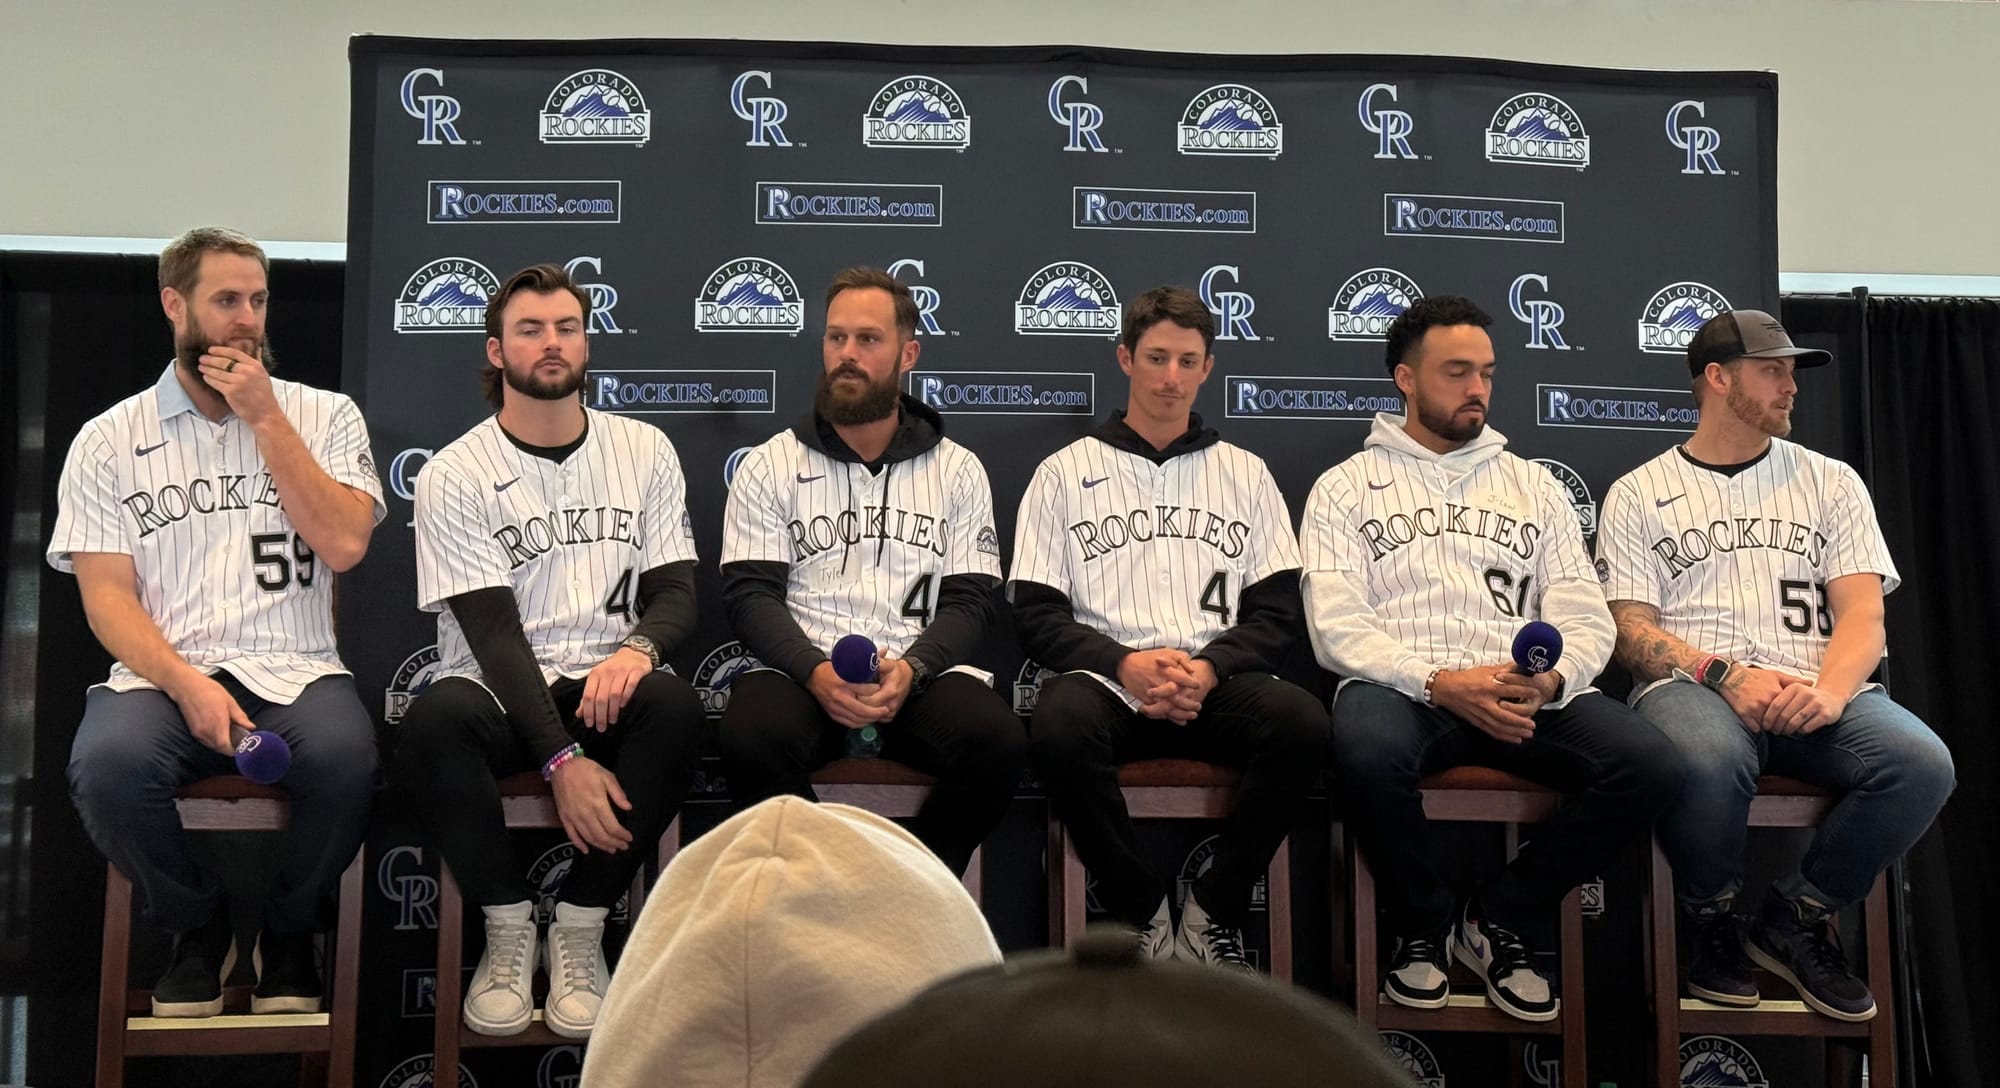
{"points": [[1156, 938], [1204, 941], [578, 972], [501, 999], [1417, 975]]}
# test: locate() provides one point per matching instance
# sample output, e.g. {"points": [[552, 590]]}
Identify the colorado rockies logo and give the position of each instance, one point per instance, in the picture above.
{"points": [[418, 1071], [1369, 302], [1538, 130], [412, 677], [1675, 313], [399, 876], [1578, 492], [560, 1067], [749, 294], [1230, 119], [916, 111], [1198, 861], [446, 295], [547, 874], [596, 106], [1028, 686], [1408, 1051], [1715, 1061], [722, 665]]}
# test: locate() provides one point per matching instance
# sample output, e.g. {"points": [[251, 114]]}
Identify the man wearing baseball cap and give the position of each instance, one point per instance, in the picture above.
{"points": [[1746, 574]]}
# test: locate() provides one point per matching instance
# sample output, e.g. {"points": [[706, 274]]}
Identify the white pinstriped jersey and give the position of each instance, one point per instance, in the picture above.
{"points": [[1738, 565], [1448, 556], [864, 551], [1155, 556], [569, 539], [221, 571]]}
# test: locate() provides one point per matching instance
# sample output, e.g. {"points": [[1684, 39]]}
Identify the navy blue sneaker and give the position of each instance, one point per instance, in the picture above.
{"points": [[1795, 941]]}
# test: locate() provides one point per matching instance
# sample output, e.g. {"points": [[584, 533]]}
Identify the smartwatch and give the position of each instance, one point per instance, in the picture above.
{"points": [[1711, 671], [920, 675]]}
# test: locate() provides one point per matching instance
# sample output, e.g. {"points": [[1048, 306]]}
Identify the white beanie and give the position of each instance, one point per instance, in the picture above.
{"points": [[771, 938]]}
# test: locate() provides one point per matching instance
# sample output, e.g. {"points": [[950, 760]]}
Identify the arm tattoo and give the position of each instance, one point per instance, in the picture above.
{"points": [[1645, 650]]}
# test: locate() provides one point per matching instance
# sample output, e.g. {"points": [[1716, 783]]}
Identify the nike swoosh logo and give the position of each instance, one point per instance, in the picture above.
{"points": [[498, 488], [141, 451], [1669, 502], [1094, 483], [805, 479], [1373, 486]]}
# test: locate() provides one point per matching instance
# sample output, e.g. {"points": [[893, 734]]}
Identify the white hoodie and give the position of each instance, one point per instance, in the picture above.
{"points": [[772, 937], [1415, 561]]}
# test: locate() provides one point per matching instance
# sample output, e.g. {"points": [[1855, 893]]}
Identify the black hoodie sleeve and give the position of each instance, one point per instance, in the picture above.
{"points": [[965, 607], [667, 613], [754, 593], [1268, 622], [491, 622], [1048, 631]]}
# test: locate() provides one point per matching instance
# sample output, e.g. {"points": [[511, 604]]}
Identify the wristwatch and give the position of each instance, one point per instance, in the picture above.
{"points": [[920, 675], [1711, 670], [645, 646]]}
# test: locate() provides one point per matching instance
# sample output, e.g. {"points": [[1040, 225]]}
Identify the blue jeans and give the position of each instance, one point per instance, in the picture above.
{"points": [[133, 751], [1892, 772]]}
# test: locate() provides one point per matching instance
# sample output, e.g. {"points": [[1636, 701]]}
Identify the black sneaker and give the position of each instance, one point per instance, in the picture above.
{"points": [[287, 973], [1721, 973], [1418, 973], [1506, 964], [201, 961], [1795, 942]]}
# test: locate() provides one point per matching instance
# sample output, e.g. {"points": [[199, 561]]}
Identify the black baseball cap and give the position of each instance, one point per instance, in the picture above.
{"points": [[1100, 1016], [1737, 333]]}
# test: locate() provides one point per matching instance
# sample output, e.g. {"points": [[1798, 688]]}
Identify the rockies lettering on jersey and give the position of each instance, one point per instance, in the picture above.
{"points": [[221, 569], [1415, 561], [864, 550], [1153, 554], [570, 539], [1738, 564]]}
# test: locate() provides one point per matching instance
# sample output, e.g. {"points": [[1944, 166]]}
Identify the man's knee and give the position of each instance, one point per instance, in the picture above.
{"points": [[1295, 723], [440, 719], [1066, 728], [671, 699], [1375, 733]]}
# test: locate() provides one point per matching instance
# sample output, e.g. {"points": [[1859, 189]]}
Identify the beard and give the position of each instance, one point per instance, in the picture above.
{"points": [[1757, 415], [530, 383], [1446, 425], [852, 409], [191, 345]]}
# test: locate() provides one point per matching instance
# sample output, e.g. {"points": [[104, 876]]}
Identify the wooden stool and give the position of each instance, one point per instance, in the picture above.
{"points": [[526, 802], [1173, 789], [125, 1027], [888, 789], [1476, 795], [1780, 802]]}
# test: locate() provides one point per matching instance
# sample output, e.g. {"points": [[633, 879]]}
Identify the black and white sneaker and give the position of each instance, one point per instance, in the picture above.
{"points": [[1203, 940], [201, 961], [1506, 964], [287, 973], [1156, 938], [1722, 973], [1418, 973], [1796, 943]]}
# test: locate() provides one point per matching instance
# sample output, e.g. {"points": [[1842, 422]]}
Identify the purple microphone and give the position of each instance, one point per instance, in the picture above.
{"points": [[262, 757], [1537, 648], [855, 660]]}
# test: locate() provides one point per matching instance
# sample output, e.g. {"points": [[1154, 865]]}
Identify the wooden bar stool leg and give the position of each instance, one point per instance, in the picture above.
{"points": [[1665, 962], [1278, 910], [1074, 889], [346, 981], [113, 973], [1052, 860], [450, 988], [1881, 980], [1576, 1054], [1365, 982]]}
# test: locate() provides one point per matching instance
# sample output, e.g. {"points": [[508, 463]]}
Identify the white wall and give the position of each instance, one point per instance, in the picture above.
{"points": [[141, 119]]}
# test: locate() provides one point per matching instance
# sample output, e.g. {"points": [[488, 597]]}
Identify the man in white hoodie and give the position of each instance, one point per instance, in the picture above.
{"points": [[1424, 554]]}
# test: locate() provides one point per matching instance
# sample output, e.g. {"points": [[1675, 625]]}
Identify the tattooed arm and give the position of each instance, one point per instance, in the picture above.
{"points": [[1644, 648]]}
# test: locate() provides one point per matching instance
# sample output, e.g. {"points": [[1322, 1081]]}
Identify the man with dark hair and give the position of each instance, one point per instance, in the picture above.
{"points": [[864, 519], [1746, 574], [1155, 569], [1425, 554], [202, 518], [553, 541]]}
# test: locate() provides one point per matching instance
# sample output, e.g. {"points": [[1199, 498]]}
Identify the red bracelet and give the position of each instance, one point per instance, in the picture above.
{"points": [[560, 758]]}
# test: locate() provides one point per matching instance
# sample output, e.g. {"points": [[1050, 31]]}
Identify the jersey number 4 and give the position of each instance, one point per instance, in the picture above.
{"points": [[279, 559], [920, 603], [1215, 596], [620, 601]]}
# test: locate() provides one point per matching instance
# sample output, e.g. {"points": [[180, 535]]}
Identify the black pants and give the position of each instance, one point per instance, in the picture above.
{"points": [[456, 744], [959, 731], [1620, 771], [1272, 731]]}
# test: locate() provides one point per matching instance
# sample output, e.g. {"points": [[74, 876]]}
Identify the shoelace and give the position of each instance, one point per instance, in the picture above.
{"points": [[1721, 938], [1420, 950], [506, 949], [1823, 949], [1226, 945], [577, 945], [1510, 952]]}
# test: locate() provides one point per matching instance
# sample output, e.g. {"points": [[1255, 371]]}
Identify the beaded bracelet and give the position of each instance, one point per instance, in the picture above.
{"points": [[1429, 681], [560, 758]]}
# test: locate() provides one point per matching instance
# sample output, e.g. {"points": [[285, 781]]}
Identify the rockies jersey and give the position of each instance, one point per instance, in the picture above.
{"points": [[221, 571], [1155, 555], [864, 551], [570, 539], [1416, 561], [1738, 565]]}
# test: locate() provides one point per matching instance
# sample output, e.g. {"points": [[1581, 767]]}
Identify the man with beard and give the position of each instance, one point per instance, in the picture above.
{"points": [[1425, 554], [1156, 570], [864, 519], [553, 541], [203, 519], [1746, 575]]}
